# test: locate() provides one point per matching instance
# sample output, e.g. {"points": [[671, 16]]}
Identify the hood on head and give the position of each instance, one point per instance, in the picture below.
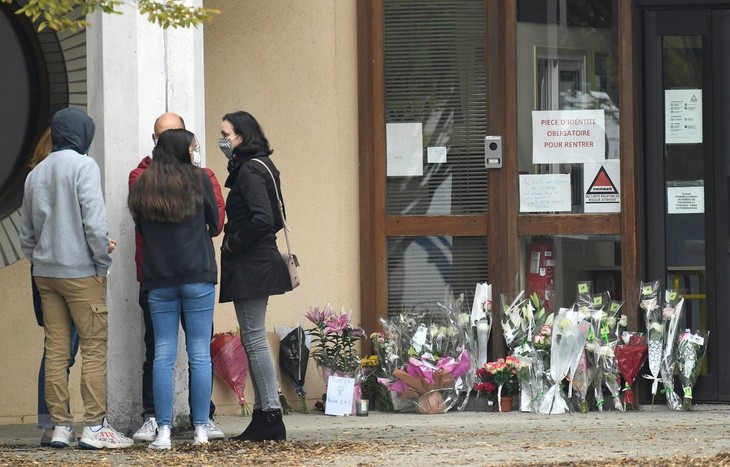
{"points": [[72, 129]]}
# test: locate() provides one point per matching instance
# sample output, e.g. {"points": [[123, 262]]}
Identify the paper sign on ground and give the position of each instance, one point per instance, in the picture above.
{"points": [[340, 392], [568, 136], [545, 193], [404, 149], [683, 116], [602, 184]]}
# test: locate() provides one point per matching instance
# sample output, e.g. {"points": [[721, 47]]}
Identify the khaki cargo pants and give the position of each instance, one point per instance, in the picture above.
{"points": [[82, 302]]}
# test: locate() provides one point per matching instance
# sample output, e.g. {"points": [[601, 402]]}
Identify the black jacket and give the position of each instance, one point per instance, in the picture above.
{"points": [[251, 265], [177, 254]]}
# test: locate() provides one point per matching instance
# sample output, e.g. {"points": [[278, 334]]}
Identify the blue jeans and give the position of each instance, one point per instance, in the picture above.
{"points": [[196, 301], [251, 314], [44, 417]]}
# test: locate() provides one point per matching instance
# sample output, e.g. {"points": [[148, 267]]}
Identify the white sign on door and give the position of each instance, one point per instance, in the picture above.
{"points": [[682, 116], [568, 136]]}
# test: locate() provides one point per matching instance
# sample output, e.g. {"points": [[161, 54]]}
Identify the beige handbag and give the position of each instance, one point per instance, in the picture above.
{"points": [[289, 258]]}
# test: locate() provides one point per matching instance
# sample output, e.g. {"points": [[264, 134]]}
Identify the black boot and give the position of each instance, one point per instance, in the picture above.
{"points": [[268, 426], [246, 435]]}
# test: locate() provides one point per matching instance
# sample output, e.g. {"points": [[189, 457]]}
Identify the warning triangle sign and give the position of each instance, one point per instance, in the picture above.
{"points": [[602, 184]]}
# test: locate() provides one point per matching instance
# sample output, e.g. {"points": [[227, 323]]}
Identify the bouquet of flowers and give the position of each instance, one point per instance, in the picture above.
{"points": [[517, 319], [231, 364], [334, 340], [649, 302], [607, 372], [484, 386], [503, 374], [434, 346], [672, 315], [371, 387], [294, 358], [569, 338], [481, 320], [630, 356], [691, 350], [582, 380]]}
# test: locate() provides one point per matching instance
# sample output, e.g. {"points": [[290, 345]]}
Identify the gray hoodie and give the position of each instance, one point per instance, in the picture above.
{"points": [[64, 230]]}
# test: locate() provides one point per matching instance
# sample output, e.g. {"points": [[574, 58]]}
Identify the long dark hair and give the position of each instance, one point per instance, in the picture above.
{"points": [[170, 189], [245, 124]]}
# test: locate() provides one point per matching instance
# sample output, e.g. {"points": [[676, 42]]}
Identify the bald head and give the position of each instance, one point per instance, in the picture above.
{"points": [[167, 121]]}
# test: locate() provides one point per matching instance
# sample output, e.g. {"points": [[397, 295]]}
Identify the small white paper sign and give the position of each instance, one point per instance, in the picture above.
{"points": [[545, 193], [696, 339], [602, 184], [404, 149], [568, 136], [683, 116], [436, 154], [339, 396], [685, 200]]}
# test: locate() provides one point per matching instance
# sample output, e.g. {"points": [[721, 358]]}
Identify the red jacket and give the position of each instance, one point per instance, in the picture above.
{"points": [[134, 176]]}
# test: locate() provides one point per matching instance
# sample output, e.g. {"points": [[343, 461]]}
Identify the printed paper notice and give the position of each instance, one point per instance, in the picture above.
{"points": [[683, 116], [685, 200], [340, 393], [568, 136], [602, 183], [436, 154], [404, 149], [545, 193]]}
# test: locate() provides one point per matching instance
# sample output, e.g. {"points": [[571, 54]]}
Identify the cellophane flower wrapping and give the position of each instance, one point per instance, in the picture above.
{"points": [[582, 380], [534, 356], [672, 315], [607, 372], [434, 348], [294, 358], [649, 303], [231, 364], [481, 320], [334, 345], [569, 336], [691, 349], [517, 319], [631, 352]]}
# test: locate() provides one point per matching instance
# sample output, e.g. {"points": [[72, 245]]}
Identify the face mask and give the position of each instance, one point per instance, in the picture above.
{"points": [[195, 159], [225, 145]]}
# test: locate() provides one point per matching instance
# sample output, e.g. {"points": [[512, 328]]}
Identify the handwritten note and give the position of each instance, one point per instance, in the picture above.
{"points": [[545, 193], [340, 392]]}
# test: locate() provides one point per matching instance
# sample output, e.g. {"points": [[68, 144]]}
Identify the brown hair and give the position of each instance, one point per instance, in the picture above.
{"points": [[171, 188], [42, 149]]}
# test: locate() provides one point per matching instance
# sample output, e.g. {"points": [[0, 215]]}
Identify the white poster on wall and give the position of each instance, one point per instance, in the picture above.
{"points": [[602, 183], [683, 116], [404, 149], [436, 154], [545, 193], [568, 136]]}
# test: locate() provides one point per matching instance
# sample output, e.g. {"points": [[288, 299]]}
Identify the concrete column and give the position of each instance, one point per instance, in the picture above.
{"points": [[136, 71]]}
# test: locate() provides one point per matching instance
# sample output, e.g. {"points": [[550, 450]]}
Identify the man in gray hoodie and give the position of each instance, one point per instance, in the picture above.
{"points": [[64, 233]]}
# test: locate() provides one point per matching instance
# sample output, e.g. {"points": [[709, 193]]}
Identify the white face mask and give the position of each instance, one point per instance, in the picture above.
{"points": [[195, 158]]}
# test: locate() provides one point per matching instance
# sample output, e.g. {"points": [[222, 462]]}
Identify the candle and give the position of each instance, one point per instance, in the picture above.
{"points": [[362, 407]]}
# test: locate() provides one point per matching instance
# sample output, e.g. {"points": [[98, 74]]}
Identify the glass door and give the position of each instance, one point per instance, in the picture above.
{"points": [[686, 173]]}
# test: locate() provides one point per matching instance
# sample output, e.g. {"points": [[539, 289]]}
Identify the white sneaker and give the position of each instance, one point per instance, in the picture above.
{"points": [[147, 431], [201, 434], [105, 437], [63, 436], [213, 431], [163, 440]]}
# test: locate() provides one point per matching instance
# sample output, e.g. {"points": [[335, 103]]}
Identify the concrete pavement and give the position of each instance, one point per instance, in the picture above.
{"points": [[459, 438]]}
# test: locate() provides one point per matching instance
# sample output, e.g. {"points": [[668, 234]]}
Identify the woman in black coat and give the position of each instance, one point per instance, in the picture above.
{"points": [[251, 266]]}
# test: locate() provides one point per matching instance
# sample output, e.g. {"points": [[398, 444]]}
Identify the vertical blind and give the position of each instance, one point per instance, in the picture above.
{"points": [[434, 61]]}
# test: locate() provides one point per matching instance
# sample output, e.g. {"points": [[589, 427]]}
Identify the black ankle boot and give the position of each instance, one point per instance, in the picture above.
{"points": [[246, 435], [268, 426]]}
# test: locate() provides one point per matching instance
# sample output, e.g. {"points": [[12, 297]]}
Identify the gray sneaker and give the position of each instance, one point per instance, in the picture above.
{"points": [[213, 431], [63, 436], [105, 437], [147, 432]]}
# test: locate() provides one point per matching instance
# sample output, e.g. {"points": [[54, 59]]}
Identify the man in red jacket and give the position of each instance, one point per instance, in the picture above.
{"points": [[148, 431]]}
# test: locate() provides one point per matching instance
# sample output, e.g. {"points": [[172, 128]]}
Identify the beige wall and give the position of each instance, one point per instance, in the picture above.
{"points": [[293, 65]]}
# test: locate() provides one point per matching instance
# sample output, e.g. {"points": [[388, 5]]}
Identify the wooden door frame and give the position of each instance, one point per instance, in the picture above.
{"points": [[503, 235]]}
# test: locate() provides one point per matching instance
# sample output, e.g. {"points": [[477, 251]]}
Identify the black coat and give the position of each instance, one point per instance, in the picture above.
{"points": [[251, 265]]}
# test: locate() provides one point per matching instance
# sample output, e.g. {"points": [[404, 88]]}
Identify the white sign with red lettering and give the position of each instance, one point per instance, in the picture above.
{"points": [[568, 136]]}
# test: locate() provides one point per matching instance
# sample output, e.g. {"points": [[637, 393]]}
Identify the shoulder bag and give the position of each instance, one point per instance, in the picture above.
{"points": [[289, 258]]}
